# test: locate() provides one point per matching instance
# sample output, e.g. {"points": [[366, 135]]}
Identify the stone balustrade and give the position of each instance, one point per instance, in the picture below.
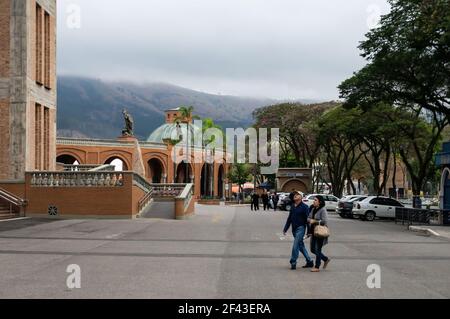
{"points": [[167, 190], [76, 179]]}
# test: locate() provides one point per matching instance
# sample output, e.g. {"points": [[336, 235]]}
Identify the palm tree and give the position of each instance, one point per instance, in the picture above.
{"points": [[185, 117]]}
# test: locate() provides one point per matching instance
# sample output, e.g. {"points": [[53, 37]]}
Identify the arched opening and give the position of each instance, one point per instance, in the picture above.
{"points": [[183, 177], [220, 180], [155, 171], [206, 181], [119, 164], [294, 184], [67, 159]]}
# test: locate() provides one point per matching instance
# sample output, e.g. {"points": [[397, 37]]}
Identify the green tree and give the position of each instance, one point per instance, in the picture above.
{"points": [[408, 67], [186, 115], [378, 136], [408, 57], [239, 174], [337, 137], [421, 138], [297, 135]]}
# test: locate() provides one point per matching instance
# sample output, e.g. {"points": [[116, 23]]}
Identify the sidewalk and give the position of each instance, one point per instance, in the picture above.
{"points": [[436, 231]]}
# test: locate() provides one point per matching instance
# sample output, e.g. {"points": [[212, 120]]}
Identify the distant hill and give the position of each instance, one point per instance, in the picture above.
{"points": [[92, 108]]}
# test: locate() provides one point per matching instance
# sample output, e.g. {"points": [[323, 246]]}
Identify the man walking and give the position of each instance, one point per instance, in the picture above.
{"points": [[255, 201], [275, 199], [265, 200], [298, 219]]}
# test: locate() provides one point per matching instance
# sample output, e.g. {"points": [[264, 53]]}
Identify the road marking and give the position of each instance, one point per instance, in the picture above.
{"points": [[113, 236], [282, 237], [217, 218]]}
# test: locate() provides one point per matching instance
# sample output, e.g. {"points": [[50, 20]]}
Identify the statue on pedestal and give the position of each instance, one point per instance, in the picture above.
{"points": [[128, 130]]}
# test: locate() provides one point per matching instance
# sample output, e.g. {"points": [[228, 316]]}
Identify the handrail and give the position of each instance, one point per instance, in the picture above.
{"points": [[186, 191], [141, 182], [12, 199], [187, 195], [168, 190], [103, 168], [79, 168], [144, 200]]}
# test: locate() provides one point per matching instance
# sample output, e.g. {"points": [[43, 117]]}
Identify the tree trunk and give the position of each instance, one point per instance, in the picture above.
{"points": [[394, 176]]}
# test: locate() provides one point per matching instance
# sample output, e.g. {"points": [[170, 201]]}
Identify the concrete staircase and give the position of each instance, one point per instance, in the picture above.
{"points": [[11, 206], [6, 212], [160, 208]]}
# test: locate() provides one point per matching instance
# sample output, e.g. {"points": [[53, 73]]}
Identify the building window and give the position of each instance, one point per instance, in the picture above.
{"points": [[46, 138], [47, 50], [38, 44], [37, 136]]}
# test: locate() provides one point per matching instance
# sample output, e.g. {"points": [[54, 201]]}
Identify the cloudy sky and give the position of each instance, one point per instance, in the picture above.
{"points": [[286, 49]]}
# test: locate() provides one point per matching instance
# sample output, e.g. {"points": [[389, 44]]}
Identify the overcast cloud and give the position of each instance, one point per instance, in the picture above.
{"points": [[263, 48]]}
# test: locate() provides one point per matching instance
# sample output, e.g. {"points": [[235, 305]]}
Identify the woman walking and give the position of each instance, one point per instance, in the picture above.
{"points": [[318, 215]]}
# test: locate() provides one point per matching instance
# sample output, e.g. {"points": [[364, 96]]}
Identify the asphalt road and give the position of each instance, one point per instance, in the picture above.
{"points": [[222, 252]]}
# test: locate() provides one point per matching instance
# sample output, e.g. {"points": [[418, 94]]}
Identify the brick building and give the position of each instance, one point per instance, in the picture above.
{"points": [[31, 181], [27, 87]]}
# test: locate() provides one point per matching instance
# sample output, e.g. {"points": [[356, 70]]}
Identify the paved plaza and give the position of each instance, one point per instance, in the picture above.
{"points": [[222, 252]]}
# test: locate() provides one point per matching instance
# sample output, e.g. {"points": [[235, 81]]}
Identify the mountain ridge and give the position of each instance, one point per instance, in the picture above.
{"points": [[89, 107]]}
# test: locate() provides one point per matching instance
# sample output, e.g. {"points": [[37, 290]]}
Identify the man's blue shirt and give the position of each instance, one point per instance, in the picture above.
{"points": [[298, 216]]}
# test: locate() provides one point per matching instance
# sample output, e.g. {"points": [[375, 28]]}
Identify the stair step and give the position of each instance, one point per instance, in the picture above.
{"points": [[7, 216]]}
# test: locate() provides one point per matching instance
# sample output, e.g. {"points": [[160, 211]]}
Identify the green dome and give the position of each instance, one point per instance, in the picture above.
{"points": [[170, 131]]}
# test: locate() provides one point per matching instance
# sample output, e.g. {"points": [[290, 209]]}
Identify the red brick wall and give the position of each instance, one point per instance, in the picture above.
{"points": [[82, 201], [137, 195]]}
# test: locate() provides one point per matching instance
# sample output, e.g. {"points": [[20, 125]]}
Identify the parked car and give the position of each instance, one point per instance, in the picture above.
{"points": [[331, 201], [282, 196], [375, 206], [285, 202], [345, 205]]}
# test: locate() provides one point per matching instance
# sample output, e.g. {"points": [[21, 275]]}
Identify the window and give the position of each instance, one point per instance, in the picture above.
{"points": [[46, 138], [38, 44], [43, 47], [332, 199], [377, 201], [391, 202], [47, 50], [37, 136]]}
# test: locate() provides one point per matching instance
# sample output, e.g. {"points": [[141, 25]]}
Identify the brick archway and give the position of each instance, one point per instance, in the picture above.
{"points": [[125, 166], [181, 173], [155, 170], [124, 156], [220, 181], [206, 180], [294, 184], [63, 158], [155, 158]]}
